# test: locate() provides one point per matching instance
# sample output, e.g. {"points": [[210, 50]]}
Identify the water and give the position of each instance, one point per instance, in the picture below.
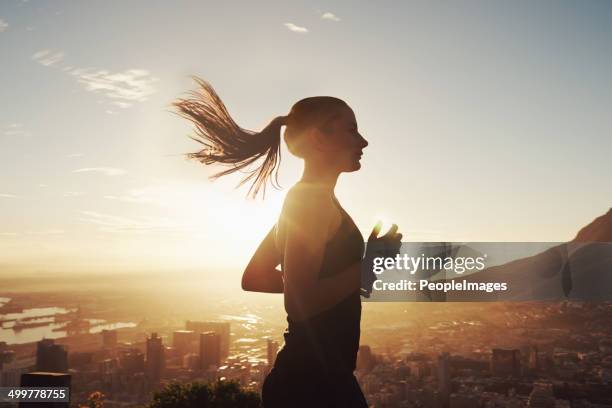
{"points": [[45, 315]]}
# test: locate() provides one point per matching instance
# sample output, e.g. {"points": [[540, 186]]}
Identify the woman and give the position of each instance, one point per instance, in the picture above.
{"points": [[316, 243]]}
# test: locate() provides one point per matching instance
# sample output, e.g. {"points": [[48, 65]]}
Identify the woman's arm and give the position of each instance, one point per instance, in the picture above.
{"points": [[261, 274], [307, 216]]}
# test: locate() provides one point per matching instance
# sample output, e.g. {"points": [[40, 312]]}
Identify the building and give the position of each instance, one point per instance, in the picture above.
{"points": [[156, 360], [11, 372], [184, 341], [505, 363], [44, 379], [210, 350], [272, 351], [109, 339], [221, 328], [51, 357], [444, 379], [132, 361], [365, 359]]}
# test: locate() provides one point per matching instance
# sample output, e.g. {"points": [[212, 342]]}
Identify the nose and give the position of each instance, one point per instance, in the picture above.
{"points": [[362, 142]]}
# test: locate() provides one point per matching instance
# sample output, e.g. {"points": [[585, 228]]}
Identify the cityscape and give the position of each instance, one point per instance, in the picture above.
{"points": [[411, 354]]}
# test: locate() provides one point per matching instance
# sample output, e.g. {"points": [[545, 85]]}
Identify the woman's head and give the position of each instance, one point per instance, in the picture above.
{"points": [[320, 129], [323, 129]]}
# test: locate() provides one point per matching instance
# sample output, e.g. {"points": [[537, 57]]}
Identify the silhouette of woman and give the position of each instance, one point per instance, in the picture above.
{"points": [[316, 243]]}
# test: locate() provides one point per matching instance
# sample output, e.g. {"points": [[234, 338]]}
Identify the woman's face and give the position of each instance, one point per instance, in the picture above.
{"points": [[341, 144]]}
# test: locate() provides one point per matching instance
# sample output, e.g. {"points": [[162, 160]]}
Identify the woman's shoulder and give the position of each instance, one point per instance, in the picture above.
{"points": [[307, 198]]}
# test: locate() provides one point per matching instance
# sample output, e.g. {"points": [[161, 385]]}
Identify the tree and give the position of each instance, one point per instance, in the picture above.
{"points": [[222, 394]]}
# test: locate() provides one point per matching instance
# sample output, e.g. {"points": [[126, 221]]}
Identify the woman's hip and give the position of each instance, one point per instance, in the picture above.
{"points": [[308, 389]]}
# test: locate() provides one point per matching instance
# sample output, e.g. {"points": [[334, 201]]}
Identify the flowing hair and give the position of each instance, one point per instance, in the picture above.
{"points": [[226, 143]]}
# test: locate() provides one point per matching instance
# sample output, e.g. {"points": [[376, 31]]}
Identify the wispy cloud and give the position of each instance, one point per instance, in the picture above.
{"points": [[8, 234], [130, 85], [3, 25], [330, 16], [124, 87], [15, 129], [48, 57], [114, 223], [109, 171], [73, 193], [6, 195], [129, 199], [47, 232], [296, 28], [75, 155], [165, 195]]}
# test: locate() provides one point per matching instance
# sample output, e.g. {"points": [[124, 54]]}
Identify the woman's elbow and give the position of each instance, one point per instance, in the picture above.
{"points": [[246, 283]]}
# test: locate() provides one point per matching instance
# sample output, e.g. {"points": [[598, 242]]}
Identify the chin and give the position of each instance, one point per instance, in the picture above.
{"points": [[354, 167]]}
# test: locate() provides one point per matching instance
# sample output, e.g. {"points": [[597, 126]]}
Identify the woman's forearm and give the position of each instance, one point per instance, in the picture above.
{"points": [[270, 281]]}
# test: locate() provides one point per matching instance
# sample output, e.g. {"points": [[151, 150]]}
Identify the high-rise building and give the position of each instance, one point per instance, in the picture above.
{"points": [[10, 375], [51, 357], [210, 349], [444, 380], [109, 339], [505, 363], [221, 328], [272, 351], [156, 360], [132, 361], [184, 341], [43, 379], [534, 359], [365, 359]]}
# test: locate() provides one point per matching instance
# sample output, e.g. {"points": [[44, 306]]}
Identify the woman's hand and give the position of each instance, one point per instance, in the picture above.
{"points": [[386, 246]]}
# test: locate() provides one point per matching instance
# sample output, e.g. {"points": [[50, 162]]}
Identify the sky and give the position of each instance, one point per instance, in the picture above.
{"points": [[486, 121]]}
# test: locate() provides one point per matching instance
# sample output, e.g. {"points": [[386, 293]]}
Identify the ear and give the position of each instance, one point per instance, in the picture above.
{"points": [[318, 139]]}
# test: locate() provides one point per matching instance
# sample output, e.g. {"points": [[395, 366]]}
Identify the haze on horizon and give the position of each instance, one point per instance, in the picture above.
{"points": [[487, 121]]}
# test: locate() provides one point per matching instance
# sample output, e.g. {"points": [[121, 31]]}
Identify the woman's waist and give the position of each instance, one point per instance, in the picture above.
{"points": [[318, 357]]}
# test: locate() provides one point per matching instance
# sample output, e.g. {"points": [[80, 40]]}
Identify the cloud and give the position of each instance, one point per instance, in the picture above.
{"points": [[8, 234], [122, 105], [5, 195], [129, 85], [129, 199], [73, 193], [48, 57], [109, 171], [165, 195], [126, 87], [114, 223], [330, 16], [47, 232], [3, 25], [296, 29], [15, 129], [75, 155]]}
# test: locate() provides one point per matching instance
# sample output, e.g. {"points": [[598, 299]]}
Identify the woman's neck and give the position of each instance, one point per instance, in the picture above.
{"points": [[319, 175]]}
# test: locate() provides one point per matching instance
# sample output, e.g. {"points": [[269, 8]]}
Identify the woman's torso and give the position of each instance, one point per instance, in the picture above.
{"points": [[327, 343]]}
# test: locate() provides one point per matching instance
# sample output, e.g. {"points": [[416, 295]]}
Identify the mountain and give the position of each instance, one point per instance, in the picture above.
{"points": [[600, 230], [579, 269]]}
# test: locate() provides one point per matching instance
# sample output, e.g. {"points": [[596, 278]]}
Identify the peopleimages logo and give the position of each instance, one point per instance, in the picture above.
{"points": [[413, 264]]}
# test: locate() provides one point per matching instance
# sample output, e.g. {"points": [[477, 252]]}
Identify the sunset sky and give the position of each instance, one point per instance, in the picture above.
{"points": [[487, 121]]}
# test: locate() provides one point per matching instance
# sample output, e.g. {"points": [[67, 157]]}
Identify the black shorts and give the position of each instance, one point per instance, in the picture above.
{"points": [[308, 389]]}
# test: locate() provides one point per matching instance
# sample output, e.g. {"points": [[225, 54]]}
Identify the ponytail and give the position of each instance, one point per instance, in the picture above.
{"points": [[227, 143]]}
